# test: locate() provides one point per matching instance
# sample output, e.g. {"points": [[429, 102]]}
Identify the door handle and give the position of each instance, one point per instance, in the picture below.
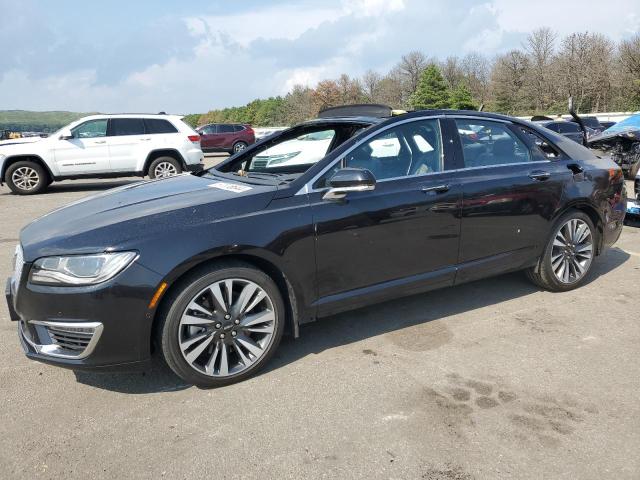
{"points": [[436, 188], [539, 175], [100, 141], [145, 139]]}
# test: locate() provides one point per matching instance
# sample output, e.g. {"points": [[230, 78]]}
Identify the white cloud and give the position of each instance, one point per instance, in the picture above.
{"points": [[229, 59]]}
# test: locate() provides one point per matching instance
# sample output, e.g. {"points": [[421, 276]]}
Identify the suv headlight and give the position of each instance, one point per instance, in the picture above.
{"points": [[77, 270]]}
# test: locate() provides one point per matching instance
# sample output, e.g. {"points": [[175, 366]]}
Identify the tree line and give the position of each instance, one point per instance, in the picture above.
{"points": [[537, 78]]}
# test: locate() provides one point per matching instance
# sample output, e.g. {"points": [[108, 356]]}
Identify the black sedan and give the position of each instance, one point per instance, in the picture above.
{"points": [[211, 269]]}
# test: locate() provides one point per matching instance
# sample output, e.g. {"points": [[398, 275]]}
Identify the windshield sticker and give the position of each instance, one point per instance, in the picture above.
{"points": [[230, 187]]}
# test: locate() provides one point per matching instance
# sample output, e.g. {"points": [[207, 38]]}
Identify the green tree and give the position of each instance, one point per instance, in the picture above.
{"points": [[461, 98], [432, 90]]}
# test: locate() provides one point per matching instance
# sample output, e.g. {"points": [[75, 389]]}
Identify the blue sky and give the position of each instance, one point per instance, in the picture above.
{"points": [[147, 56]]}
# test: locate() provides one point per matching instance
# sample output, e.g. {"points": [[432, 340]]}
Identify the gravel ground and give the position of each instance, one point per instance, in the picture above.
{"points": [[490, 380]]}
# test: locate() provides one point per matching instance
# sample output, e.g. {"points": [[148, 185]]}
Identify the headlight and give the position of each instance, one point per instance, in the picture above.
{"points": [[276, 159], [79, 269]]}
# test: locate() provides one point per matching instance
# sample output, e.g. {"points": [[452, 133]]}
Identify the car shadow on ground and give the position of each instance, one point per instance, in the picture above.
{"points": [[357, 325]]}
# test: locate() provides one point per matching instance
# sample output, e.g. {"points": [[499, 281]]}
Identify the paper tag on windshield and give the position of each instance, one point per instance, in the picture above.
{"points": [[230, 187]]}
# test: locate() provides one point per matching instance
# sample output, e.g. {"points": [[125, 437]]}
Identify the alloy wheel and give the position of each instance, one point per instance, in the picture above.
{"points": [[25, 178], [572, 251], [165, 169], [227, 327], [238, 147]]}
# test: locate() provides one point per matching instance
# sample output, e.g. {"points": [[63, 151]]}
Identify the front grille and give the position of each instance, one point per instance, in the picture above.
{"points": [[75, 339], [62, 339]]}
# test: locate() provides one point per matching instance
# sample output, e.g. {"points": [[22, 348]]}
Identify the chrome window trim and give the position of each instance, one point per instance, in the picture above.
{"points": [[308, 186]]}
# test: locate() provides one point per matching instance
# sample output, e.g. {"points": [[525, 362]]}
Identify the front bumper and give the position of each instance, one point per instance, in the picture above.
{"points": [[104, 327]]}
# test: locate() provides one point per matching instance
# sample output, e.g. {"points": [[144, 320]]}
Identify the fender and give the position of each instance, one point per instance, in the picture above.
{"points": [[7, 161], [158, 152]]}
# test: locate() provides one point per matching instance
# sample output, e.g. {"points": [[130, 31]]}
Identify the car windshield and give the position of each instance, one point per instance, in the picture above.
{"points": [[287, 156]]}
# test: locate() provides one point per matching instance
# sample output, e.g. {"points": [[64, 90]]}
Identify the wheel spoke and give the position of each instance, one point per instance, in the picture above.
{"points": [[212, 360], [196, 338], [245, 359], [224, 360], [245, 296], [257, 318], [250, 345], [256, 300], [195, 353], [217, 297], [191, 320], [199, 308], [268, 328]]}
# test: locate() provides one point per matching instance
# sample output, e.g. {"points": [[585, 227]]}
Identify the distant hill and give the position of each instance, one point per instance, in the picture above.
{"points": [[27, 121]]}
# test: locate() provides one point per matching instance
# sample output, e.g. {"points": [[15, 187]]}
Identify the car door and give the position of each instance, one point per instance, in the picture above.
{"points": [[510, 191], [127, 140], [86, 153], [225, 137], [208, 136], [402, 237]]}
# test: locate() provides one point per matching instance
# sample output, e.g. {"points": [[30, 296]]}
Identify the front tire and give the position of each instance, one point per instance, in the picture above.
{"points": [[221, 325], [26, 178], [164, 167], [568, 256]]}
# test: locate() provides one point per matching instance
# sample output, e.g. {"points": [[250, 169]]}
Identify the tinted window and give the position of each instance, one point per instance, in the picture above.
{"points": [[208, 129], [156, 125], [225, 128], [238, 128], [486, 143], [552, 126], [91, 129], [127, 126], [568, 127], [409, 149]]}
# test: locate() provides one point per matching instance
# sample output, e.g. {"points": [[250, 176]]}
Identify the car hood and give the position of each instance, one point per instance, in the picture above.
{"points": [[123, 218], [16, 143]]}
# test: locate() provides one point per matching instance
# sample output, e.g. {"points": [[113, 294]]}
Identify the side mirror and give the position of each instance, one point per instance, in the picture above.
{"points": [[66, 134], [349, 180]]}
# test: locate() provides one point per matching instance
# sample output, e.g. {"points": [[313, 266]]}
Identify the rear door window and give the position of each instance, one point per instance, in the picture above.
{"points": [[127, 126], [157, 125], [225, 128], [487, 143], [568, 127]]}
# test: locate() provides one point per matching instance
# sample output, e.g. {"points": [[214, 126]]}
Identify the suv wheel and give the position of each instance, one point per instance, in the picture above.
{"points": [[568, 256], [26, 178], [222, 325], [239, 146], [163, 167]]}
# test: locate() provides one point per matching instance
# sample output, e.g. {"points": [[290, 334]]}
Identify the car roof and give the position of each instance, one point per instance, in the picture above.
{"points": [[131, 115]]}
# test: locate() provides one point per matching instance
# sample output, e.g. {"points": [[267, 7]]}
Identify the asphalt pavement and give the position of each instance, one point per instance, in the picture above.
{"points": [[491, 380]]}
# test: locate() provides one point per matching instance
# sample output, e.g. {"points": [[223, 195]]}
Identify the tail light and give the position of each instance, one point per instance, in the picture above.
{"points": [[194, 138]]}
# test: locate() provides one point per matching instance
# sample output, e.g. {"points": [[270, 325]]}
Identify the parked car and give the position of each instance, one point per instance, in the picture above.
{"points": [[591, 122], [101, 146], [622, 142], [570, 130], [226, 137], [210, 270]]}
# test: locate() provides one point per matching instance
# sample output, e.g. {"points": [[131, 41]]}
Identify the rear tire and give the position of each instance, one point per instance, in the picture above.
{"points": [[239, 146], [568, 256], [221, 324], [27, 178], [163, 167]]}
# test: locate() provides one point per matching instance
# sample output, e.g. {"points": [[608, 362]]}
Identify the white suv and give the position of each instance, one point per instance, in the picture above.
{"points": [[102, 146]]}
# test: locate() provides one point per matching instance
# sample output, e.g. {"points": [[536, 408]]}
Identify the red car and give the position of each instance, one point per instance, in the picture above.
{"points": [[225, 137]]}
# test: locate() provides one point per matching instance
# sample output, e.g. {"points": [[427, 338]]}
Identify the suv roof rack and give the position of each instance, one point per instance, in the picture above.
{"points": [[359, 110]]}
